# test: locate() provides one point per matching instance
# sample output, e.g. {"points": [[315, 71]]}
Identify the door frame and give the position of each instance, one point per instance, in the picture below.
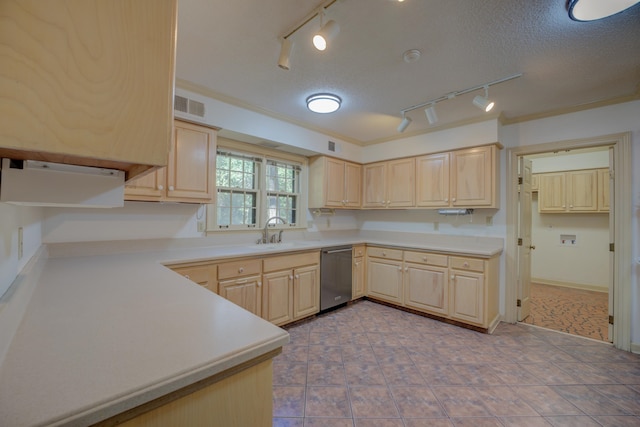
{"points": [[621, 144]]}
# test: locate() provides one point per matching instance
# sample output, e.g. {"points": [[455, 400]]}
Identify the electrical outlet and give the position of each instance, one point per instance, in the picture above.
{"points": [[200, 226], [20, 243]]}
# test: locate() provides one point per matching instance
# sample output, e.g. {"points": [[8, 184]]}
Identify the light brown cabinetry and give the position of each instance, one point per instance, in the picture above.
{"points": [[88, 83], [389, 184], [334, 183], [461, 178], [204, 275], [604, 203], [291, 287], [189, 175], [460, 288], [535, 182], [569, 192], [358, 288], [241, 283]]}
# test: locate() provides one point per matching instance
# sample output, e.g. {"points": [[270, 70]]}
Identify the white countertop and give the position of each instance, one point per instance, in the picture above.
{"points": [[105, 331]]}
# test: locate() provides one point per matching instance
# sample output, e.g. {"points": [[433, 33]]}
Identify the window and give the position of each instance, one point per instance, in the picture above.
{"points": [[253, 187]]}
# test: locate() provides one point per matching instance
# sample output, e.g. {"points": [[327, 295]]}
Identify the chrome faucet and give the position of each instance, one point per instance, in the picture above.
{"points": [[265, 233]]}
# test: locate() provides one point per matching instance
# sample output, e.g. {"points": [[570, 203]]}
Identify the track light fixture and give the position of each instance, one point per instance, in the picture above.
{"points": [[479, 101], [285, 54], [592, 10], [430, 112], [327, 33], [483, 102]]}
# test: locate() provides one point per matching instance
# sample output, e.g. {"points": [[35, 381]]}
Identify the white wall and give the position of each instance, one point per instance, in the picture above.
{"points": [[11, 218]]}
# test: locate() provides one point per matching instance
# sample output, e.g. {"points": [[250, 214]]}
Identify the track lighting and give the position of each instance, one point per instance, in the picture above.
{"points": [[591, 10], [285, 54], [404, 124], [430, 112], [326, 33], [483, 102], [479, 101]]}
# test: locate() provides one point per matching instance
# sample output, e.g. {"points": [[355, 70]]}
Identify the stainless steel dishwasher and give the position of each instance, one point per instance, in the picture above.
{"points": [[335, 276]]}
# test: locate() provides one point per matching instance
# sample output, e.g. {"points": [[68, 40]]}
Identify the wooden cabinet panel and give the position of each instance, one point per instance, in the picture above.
{"points": [[358, 289], [149, 187], [466, 264], [245, 292], [467, 297], [535, 182], [426, 288], [387, 253], [352, 185], [401, 183], [551, 193], [473, 177], [426, 258], [374, 179], [571, 192], [604, 203], [242, 267], [334, 183], [277, 303], [306, 291], [291, 261], [88, 83], [204, 275], [384, 279], [582, 191], [432, 180]]}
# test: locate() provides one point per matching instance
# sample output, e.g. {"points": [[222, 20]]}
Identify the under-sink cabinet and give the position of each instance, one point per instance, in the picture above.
{"points": [[456, 288]]}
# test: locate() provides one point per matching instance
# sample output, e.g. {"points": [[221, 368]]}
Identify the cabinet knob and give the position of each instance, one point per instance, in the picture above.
{"points": [[382, 202], [388, 201], [384, 254], [160, 187], [344, 201], [453, 199], [571, 206], [400, 268], [290, 277], [241, 270], [259, 284], [171, 188], [187, 276], [563, 206], [297, 276], [466, 264], [453, 277], [406, 269], [446, 199], [424, 258]]}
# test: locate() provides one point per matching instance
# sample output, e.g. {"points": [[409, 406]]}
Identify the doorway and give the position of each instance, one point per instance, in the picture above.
{"points": [[620, 258], [571, 278]]}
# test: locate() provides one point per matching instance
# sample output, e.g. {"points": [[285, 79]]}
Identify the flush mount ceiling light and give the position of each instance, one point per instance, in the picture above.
{"points": [[323, 103], [479, 101], [483, 102], [327, 33], [591, 10]]}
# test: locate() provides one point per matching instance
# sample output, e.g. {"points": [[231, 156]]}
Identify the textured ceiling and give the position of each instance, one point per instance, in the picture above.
{"points": [[232, 47]]}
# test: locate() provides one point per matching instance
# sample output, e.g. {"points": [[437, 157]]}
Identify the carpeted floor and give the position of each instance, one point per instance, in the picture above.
{"points": [[578, 312]]}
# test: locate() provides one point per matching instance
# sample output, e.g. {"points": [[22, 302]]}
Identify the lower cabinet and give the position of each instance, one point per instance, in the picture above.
{"points": [[203, 274], [245, 292], [463, 289], [358, 284]]}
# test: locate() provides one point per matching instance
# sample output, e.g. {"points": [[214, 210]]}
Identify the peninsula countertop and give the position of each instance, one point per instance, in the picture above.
{"points": [[109, 327]]}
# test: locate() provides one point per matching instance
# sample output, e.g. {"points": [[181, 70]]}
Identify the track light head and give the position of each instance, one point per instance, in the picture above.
{"points": [[430, 112], [327, 33], [404, 124], [483, 102], [285, 54]]}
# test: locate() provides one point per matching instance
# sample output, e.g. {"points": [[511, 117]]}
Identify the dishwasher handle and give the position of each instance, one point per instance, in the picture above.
{"points": [[335, 251]]}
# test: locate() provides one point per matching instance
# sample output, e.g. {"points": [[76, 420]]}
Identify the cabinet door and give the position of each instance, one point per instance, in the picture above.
{"points": [[603, 190], [374, 184], [426, 288], [472, 178], [245, 292], [149, 187], [191, 163], [551, 192], [535, 182], [467, 296], [306, 291], [582, 191], [352, 184], [357, 281], [334, 183], [384, 279], [204, 275], [277, 297], [401, 183], [432, 180]]}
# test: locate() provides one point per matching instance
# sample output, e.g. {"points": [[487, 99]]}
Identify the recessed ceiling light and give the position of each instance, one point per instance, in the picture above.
{"points": [[323, 103]]}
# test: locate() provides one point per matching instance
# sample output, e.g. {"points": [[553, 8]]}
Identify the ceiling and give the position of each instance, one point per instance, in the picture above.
{"points": [[230, 49]]}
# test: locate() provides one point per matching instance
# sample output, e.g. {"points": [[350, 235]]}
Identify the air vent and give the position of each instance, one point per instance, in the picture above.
{"points": [[189, 106], [332, 146]]}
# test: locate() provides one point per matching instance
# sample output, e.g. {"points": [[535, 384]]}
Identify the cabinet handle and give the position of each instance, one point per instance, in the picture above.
{"points": [[563, 206], [424, 258], [297, 276], [160, 187], [388, 202], [466, 264], [453, 277], [400, 268], [356, 264], [406, 269], [290, 277], [446, 199], [384, 254], [570, 206], [453, 199], [241, 282], [259, 284], [171, 188], [241, 270]]}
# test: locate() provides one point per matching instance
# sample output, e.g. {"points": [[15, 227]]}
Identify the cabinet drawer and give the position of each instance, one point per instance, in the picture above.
{"points": [[291, 261], [471, 264], [385, 253], [426, 258], [239, 268], [358, 251]]}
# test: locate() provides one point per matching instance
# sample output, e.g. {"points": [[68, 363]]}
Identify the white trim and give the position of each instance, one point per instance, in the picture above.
{"points": [[635, 348], [622, 220], [580, 286]]}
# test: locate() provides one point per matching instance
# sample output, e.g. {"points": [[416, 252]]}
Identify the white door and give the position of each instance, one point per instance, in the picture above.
{"points": [[611, 239], [524, 238]]}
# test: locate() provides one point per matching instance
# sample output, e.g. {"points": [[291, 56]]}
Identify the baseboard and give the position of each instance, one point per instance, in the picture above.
{"points": [[635, 348], [580, 286]]}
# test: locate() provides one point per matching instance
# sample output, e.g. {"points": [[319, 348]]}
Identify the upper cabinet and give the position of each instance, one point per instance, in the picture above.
{"points": [[389, 184], [580, 191], [189, 176], [88, 83], [334, 183], [465, 178]]}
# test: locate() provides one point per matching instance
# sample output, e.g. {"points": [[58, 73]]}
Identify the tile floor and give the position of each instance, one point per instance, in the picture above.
{"points": [[575, 311], [372, 365]]}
